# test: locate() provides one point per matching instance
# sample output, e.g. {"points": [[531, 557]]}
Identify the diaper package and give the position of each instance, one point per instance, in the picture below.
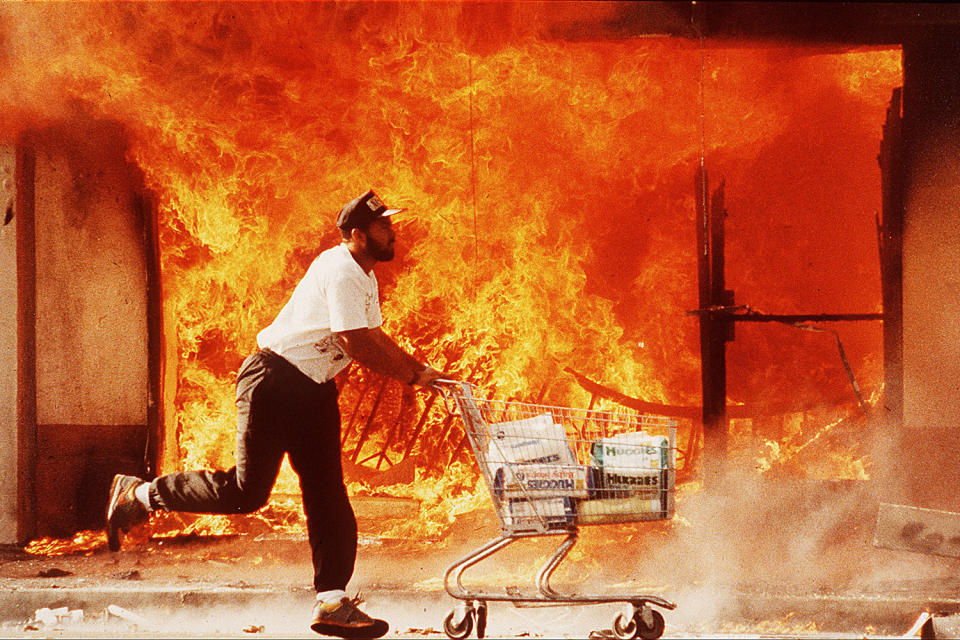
{"points": [[532, 458], [536, 439], [535, 480], [553, 513], [630, 509], [632, 453], [633, 465], [606, 483]]}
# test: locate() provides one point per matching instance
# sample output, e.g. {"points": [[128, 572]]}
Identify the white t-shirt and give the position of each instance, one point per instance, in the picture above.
{"points": [[334, 295]]}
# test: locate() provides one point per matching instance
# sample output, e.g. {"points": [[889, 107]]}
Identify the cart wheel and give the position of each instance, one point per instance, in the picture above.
{"points": [[481, 620], [651, 628], [458, 631], [625, 628]]}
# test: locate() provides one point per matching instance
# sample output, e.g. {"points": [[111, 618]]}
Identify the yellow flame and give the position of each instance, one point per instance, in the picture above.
{"points": [[82, 542]]}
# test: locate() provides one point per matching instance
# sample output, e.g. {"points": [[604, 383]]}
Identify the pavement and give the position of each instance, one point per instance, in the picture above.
{"points": [[258, 585]]}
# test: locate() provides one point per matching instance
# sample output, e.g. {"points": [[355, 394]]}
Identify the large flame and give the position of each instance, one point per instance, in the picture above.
{"points": [[550, 188]]}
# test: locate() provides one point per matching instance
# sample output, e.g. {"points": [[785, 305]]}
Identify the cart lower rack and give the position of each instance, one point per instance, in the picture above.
{"points": [[550, 470]]}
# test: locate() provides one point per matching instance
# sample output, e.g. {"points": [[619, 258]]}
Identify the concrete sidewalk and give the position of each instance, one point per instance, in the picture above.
{"points": [[247, 586], [240, 586]]}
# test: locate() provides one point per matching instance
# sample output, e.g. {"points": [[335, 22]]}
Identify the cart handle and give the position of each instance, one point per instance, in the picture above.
{"points": [[447, 388], [446, 382]]}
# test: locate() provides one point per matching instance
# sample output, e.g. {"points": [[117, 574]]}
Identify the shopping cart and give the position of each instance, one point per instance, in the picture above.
{"points": [[550, 470]]}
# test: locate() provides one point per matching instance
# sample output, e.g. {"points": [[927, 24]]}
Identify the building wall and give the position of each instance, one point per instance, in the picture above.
{"points": [[931, 290], [8, 350], [91, 293], [931, 274], [92, 372]]}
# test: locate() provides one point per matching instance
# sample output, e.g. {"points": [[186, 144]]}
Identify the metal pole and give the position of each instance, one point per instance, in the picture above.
{"points": [[713, 330]]}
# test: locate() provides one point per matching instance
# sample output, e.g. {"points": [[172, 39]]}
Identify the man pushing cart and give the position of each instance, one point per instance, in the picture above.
{"points": [[550, 470]]}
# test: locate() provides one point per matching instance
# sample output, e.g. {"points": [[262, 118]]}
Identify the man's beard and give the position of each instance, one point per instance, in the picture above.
{"points": [[380, 252]]}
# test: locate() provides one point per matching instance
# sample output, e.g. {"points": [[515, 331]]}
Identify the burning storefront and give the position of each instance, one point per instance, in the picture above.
{"points": [[172, 169]]}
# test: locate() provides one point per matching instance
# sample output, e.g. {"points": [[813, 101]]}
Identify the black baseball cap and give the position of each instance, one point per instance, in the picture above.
{"points": [[363, 210]]}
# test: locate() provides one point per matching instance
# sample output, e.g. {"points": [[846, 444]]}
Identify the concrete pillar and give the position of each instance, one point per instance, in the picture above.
{"points": [[930, 455], [91, 319], [79, 330]]}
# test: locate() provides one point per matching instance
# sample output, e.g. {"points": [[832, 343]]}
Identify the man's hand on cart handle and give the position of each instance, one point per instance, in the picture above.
{"points": [[427, 376]]}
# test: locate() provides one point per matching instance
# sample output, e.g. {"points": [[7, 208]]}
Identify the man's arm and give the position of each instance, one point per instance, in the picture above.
{"points": [[377, 351]]}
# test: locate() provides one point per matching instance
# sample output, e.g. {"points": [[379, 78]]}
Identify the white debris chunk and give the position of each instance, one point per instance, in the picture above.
{"points": [[57, 617], [45, 616], [125, 614]]}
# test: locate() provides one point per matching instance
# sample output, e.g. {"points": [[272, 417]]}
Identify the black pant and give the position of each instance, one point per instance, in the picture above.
{"points": [[280, 410]]}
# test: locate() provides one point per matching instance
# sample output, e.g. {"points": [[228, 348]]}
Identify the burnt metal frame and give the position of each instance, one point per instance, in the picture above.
{"points": [[718, 313], [146, 207]]}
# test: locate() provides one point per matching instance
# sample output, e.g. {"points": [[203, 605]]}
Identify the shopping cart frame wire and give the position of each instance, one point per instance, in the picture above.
{"points": [[545, 593], [459, 395], [460, 399]]}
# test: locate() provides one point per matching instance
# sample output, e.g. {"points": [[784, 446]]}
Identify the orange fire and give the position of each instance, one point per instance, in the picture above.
{"points": [[550, 186]]}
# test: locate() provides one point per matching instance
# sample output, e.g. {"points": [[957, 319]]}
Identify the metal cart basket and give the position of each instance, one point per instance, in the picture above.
{"points": [[550, 470]]}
